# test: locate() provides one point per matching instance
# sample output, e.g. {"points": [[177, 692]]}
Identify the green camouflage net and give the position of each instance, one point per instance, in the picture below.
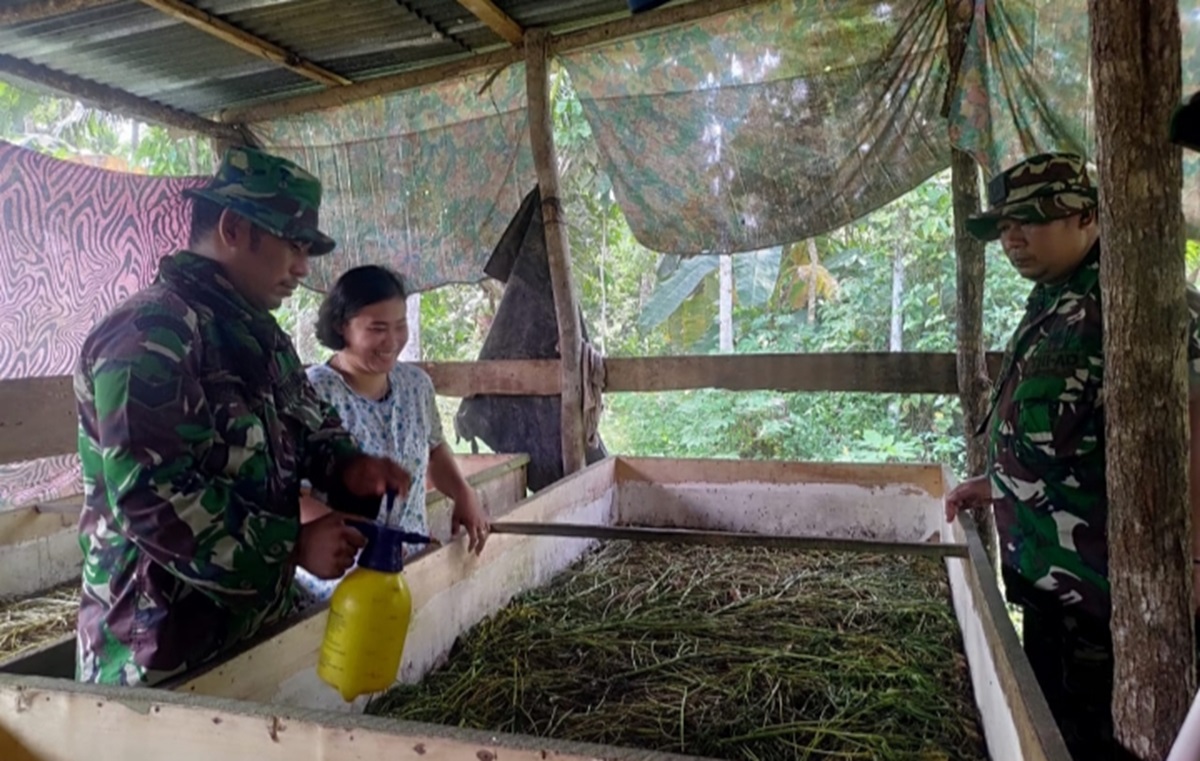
{"points": [[751, 129], [423, 180], [1026, 85]]}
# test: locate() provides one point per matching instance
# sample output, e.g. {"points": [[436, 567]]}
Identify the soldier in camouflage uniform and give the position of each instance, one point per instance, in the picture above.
{"points": [[197, 424], [1045, 430]]}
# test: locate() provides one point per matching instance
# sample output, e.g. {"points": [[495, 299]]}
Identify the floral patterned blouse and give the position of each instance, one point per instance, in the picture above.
{"points": [[404, 425]]}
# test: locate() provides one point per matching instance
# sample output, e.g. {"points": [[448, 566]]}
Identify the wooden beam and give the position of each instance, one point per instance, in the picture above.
{"points": [[240, 38], [558, 248], [506, 377], [38, 10], [883, 372], [38, 418], [786, 542], [597, 35], [1136, 59], [117, 101], [495, 19]]}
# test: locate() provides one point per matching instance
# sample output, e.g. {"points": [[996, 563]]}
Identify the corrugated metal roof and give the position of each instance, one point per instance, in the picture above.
{"points": [[132, 47]]}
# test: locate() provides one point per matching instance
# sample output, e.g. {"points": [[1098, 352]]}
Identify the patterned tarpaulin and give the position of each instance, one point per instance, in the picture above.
{"points": [[769, 124], [76, 240], [424, 180], [1026, 85]]}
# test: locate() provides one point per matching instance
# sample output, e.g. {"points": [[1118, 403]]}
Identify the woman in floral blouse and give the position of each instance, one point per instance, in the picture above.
{"points": [[388, 406]]}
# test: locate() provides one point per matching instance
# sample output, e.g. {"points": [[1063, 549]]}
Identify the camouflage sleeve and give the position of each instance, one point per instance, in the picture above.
{"points": [[156, 439], [328, 448]]}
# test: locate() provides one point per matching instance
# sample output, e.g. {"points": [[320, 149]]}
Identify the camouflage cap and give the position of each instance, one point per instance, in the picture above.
{"points": [[1185, 124], [271, 192], [1040, 189]]}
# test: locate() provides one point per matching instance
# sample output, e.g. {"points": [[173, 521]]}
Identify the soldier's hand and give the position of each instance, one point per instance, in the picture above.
{"points": [[328, 545], [972, 493], [369, 476]]}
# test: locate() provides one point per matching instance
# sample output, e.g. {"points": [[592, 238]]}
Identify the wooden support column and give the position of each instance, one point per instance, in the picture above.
{"points": [[545, 159], [973, 384], [1136, 80]]}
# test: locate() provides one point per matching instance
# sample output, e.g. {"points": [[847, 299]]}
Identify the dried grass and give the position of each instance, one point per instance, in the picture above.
{"points": [[34, 621]]}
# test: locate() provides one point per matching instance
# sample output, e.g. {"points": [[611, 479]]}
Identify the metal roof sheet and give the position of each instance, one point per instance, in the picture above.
{"points": [[137, 49]]}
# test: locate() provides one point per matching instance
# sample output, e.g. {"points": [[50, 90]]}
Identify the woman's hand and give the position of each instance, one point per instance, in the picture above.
{"points": [[469, 515]]}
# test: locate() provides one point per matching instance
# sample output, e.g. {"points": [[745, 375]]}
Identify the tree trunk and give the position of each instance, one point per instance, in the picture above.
{"points": [[896, 334], [973, 383], [1136, 79], [974, 387], [814, 259], [725, 303]]}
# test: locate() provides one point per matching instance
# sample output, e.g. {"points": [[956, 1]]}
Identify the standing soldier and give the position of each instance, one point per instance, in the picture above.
{"points": [[1046, 460], [197, 424]]}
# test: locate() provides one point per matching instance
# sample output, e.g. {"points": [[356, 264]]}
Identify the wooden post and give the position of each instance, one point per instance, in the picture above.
{"points": [[1136, 79], [973, 383], [545, 159]]}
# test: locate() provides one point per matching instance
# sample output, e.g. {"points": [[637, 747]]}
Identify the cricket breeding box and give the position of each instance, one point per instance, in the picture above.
{"points": [[639, 609]]}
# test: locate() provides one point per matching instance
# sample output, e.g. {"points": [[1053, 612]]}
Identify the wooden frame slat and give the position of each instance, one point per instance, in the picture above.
{"points": [[251, 43], [38, 418]]}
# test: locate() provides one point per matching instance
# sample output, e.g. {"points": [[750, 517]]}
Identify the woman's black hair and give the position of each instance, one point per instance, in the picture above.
{"points": [[354, 291]]}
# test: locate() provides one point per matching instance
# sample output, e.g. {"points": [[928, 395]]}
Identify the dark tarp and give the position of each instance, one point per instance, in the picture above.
{"points": [[525, 327]]}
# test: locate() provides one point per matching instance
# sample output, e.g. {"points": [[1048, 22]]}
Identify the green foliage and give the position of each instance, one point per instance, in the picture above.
{"points": [[67, 129], [671, 293]]}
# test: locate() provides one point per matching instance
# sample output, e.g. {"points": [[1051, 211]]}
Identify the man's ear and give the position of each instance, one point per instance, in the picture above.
{"points": [[229, 228], [1087, 217]]}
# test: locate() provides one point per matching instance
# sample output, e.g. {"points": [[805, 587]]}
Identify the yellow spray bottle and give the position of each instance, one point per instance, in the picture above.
{"points": [[369, 616]]}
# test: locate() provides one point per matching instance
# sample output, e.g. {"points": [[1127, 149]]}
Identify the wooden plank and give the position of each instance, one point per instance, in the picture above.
{"points": [[916, 477], [495, 19], [507, 377], [558, 248], [37, 418], [874, 372], [729, 539], [1017, 721], [116, 101], [240, 38], [62, 720], [599, 34]]}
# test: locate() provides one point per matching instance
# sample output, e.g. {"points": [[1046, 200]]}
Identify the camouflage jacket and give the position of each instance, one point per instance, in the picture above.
{"points": [[197, 423], [1046, 447]]}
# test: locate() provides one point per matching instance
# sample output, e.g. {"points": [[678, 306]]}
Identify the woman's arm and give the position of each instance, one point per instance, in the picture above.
{"points": [[448, 479]]}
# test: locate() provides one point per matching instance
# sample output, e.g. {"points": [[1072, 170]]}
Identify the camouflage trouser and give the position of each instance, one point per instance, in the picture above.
{"points": [[1074, 667]]}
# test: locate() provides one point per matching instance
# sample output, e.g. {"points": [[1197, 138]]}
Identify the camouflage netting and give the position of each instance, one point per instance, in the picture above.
{"points": [[754, 128], [424, 180]]}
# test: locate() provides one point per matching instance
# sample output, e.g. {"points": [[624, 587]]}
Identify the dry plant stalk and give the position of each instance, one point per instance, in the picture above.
{"points": [[34, 621], [742, 654]]}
